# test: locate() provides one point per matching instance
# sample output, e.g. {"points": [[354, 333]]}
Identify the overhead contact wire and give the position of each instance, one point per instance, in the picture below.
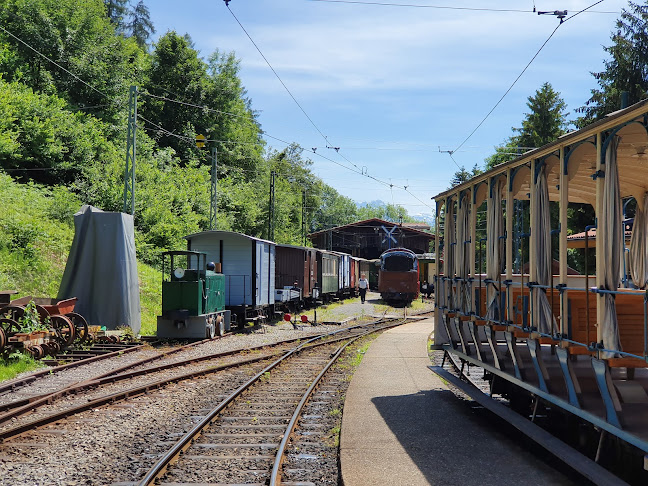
{"points": [[520, 75]]}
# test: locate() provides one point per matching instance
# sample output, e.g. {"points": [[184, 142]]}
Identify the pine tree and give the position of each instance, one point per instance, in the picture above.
{"points": [[627, 70], [141, 26], [546, 121], [116, 11]]}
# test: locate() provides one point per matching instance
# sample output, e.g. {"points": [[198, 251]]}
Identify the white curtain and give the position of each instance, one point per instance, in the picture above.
{"points": [[461, 254], [494, 244], [610, 236], [638, 249], [541, 234], [448, 252]]}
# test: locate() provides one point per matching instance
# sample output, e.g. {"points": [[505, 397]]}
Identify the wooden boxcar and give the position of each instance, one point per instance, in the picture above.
{"points": [[328, 274], [296, 267], [249, 267]]}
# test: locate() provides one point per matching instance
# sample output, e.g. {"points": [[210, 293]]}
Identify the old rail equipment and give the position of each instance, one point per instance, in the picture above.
{"points": [[193, 297], [398, 277]]}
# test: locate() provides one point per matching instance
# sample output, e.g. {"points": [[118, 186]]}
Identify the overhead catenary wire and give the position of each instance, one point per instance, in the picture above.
{"points": [[328, 143], [444, 7], [521, 73]]}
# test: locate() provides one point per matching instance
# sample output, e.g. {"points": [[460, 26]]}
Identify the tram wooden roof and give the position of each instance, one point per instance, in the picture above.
{"points": [[632, 156]]}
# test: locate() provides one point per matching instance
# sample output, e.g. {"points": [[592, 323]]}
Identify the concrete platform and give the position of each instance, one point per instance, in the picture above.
{"points": [[403, 426]]}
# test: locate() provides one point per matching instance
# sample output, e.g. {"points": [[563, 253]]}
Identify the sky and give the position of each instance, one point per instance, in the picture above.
{"points": [[390, 89]]}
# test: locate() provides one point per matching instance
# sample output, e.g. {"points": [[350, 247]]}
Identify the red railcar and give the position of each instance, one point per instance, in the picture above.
{"points": [[398, 277], [296, 270]]}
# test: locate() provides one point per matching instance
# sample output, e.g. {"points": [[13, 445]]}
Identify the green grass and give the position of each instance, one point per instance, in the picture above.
{"points": [[36, 232], [10, 368], [150, 280]]}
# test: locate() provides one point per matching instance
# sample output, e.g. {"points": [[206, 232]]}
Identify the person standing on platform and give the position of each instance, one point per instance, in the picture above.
{"points": [[363, 284]]}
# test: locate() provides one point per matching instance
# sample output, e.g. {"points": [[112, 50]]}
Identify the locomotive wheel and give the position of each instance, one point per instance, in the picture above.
{"points": [[80, 325], [220, 325], [65, 327], [14, 312], [9, 327]]}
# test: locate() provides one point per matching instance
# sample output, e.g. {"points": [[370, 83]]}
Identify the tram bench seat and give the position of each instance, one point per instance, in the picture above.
{"points": [[630, 364], [579, 351]]}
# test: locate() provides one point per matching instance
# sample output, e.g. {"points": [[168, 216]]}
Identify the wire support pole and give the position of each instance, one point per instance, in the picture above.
{"points": [[271, 207], [213, 200], [131, 151], [303, 218]]}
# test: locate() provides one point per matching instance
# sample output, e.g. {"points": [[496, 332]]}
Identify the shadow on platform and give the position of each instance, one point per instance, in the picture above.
{"points": [[455, 441]]}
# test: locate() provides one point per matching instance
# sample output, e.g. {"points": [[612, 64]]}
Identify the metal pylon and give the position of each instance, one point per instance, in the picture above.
{"points": [[129, 169]]}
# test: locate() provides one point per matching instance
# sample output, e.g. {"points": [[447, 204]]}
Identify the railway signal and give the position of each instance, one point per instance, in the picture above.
{"points": [[390, 236]]}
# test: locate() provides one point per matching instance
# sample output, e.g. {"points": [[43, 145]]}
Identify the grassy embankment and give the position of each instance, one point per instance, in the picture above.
{"points": [[36, 232]]}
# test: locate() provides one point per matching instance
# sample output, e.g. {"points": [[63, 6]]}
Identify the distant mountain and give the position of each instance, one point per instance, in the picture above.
{"points": [[427, 218], [375, 204]]}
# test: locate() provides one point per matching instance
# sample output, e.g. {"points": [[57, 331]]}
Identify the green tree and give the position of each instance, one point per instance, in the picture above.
{"points": [[176, 72], [140, 26], [545, 122], [117, 11], [77, 36], [41, 140], [462, 175], [232, 120], [625, 70]]}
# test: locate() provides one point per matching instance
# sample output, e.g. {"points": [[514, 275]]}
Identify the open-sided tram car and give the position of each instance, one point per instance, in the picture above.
{"points": [[570, 348]]}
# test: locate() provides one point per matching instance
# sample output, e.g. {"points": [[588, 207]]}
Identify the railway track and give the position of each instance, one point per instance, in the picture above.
{"points": [[138, 414], [245, 439]]}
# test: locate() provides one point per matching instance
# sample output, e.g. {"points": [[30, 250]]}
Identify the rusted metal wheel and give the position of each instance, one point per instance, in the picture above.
{"points": [[65, 327], [80, 325], [14, 312], [9, 327], [3, 339], [36, 351], [42, 313]]}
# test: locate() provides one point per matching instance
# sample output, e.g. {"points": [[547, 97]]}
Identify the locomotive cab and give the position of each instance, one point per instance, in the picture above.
{"points": [[193, 297]]}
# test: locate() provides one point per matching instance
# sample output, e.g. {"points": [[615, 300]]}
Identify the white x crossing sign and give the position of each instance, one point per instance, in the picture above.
{"points": [[390, 235]]}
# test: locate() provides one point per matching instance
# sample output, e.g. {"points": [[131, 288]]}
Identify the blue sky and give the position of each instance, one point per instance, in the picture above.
{"points": [[391, 86]]}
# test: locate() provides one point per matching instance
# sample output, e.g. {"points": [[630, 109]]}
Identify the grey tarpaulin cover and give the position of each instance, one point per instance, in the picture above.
{"points": [[102, 269]]}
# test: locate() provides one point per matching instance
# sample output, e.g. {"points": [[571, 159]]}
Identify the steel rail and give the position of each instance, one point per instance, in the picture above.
{"points": [[16, 383], [26, 405], [138, 390], [275, 478], [19, 407], [160, 467], [118, 396]]}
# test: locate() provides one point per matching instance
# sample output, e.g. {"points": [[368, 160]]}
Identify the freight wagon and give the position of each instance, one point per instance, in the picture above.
{"points": [[248, 264]]}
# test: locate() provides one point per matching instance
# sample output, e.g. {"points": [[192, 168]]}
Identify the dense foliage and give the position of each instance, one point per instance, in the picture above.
{"points": [[66, 67], [627, 68]]}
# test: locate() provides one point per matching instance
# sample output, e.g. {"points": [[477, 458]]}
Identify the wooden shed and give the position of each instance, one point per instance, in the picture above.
{"points": [[370, 238]]}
